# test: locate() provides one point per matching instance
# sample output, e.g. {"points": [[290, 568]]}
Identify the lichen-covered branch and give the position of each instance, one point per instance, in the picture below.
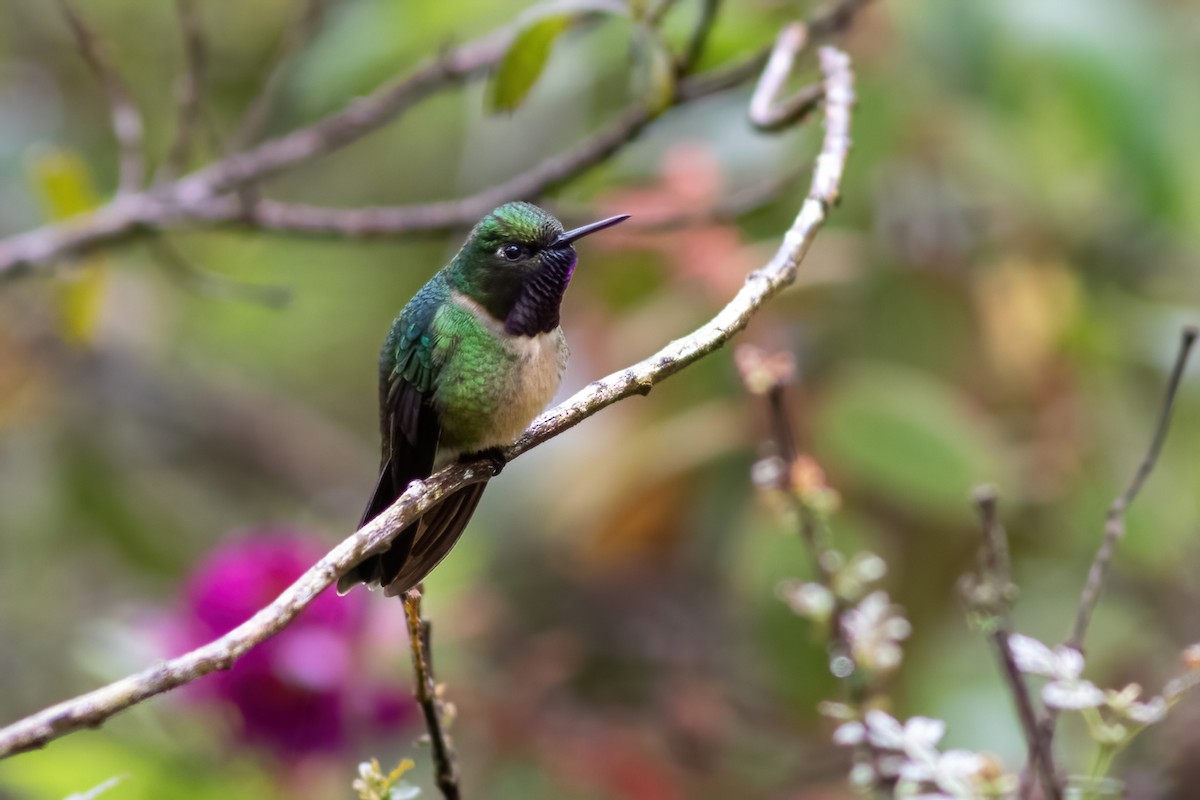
{"points": [[92, 709], [426, 693], [767, 111]]}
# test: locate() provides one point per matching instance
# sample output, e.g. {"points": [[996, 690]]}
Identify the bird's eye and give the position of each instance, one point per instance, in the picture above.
{"points": [[513, 252]]}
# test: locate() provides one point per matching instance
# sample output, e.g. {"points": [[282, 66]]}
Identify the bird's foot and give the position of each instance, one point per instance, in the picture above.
{"points": [[493, 455]]}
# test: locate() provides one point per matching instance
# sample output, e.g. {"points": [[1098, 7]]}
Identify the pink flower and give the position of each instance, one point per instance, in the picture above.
{"points": [[301, 691]]}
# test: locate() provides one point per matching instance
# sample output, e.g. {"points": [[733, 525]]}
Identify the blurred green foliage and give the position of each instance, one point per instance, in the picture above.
{"points": [[998, 298]]}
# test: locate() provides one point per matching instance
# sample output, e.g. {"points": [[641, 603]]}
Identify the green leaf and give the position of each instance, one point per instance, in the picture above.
{"points": [[525, 60], [910, 438]]}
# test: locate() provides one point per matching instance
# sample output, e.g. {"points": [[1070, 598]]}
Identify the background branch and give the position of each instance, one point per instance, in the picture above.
{"points": [[188, 91], [92, 709], [299, 31], [126, 120], [216, 194], [426, 692], [1114, 525], [992, 597], [173, 205]]}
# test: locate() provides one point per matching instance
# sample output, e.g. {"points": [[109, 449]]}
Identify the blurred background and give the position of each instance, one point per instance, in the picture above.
{"points": [[998, 298]]}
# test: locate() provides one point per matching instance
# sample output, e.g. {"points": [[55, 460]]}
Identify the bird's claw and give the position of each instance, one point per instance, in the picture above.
{"points": [[493, 455]]}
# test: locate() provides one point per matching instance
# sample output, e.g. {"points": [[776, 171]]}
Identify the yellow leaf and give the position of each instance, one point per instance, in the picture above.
{"points": [[1024, 308], [64, 185]]}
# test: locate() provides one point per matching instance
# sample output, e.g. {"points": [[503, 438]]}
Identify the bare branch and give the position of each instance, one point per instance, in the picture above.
{"points": [[767, 112], [698, 37], [439, 216], [299, 30], [219, 194], [992, 596], [426, 691], [359, 118], [835, 19], [299, 218], [126, 120], [187, 199], [1114, 525], [92, 709], [188, 91]]}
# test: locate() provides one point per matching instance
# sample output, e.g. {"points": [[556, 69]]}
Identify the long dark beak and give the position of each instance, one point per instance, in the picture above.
{"points": [[567, 237]]}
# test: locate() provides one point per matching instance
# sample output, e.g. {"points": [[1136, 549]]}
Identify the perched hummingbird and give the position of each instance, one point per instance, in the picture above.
{"points": [[471, 360]]}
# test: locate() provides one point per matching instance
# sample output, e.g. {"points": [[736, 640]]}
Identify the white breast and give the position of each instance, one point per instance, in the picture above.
{"points": [[527, 380], [541, 360]]}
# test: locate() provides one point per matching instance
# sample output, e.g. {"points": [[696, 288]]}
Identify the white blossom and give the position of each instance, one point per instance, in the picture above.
{"points": [[1035, 658], [874, 629], [768, 473], [1125, 703], [1072, 695], [1064, 666], [851, 733], [908, 752], [884, 730], [868, 567], [1147, 713], [955, 772], [809, 600]]}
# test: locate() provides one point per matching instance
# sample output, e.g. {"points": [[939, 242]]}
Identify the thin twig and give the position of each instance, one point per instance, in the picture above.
{"points": [[359, 118], [271, 215], [698, 38], [171, 206], [992, 597], [126, 120], [217, 194], [188, 91], [767, 112], [92, 709], [835, 19], [214, 285], [299, 31], [426, 692], [1114, 525]]}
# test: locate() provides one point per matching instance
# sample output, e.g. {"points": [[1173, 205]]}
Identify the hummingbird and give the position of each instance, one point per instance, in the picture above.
{"points": [[472, 358]]}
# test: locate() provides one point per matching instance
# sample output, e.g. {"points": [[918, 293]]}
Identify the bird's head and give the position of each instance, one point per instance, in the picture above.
{"points": [[518, 260]]}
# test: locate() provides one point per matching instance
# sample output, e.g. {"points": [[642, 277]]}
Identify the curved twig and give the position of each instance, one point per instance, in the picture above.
{"points": [[767, 112], [219, 194], [188, 90], [299, 29], [1114, 523], [127, 123], [92, 709], [170, 206]]}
